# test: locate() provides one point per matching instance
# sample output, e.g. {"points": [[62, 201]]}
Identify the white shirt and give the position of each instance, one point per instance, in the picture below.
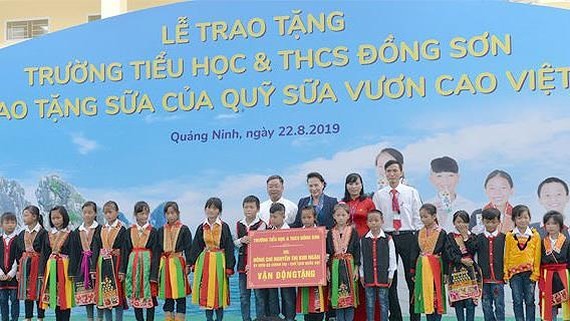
{"points": [[142, 228], [494, 234], [86, 229], [410, 203], [36, 229], [527, 232], [392, 263], [284, 227], [290, 210], [445, 213], [112, 225], [237, 241], [218, 222]]}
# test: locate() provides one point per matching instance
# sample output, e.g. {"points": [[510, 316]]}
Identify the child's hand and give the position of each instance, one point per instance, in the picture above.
{"points": [[328, 275], [362, 281], [389, 283], [246, 269], [467, 261], [356, 277], [245, 240], [121, 277], [2, 277]]}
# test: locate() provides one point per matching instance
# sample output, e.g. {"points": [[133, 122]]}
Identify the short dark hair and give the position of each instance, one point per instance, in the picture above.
{"points": [[499, 173], [519, 210], [463, 215], [392, 162], [375, 211], [556, 216], [141, 206], [172, 204], [491, 214], [112, 204], [430, 208], [318, 176], [552, 180], [251, 199], [214, 202], [310, 208], [277, 207], [272, 177], [444, 164], [8, 216], [396, 154], [63, 211]]}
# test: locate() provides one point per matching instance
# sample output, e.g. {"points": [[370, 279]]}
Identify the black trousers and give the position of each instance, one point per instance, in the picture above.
{"points": [[29, 309], [406, 243], [180, 305], [62, 315], [149, 314]]}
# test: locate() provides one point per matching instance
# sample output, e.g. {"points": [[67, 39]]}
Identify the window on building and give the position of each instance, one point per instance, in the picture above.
{"points": [[18, 30], [93, 17]]}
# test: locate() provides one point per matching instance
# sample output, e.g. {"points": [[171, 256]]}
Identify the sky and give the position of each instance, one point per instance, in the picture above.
{"points": [[133, 157]]}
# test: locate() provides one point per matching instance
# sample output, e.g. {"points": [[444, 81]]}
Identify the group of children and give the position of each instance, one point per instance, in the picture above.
{"points": [[106, 266]]}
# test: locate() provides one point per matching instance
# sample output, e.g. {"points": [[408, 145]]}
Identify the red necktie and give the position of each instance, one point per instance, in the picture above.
{"points": [[397, 223]]}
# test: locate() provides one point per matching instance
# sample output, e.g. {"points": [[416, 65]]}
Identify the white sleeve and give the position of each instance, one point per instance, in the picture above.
{"points": [[392, 265], [416, 204], [361, 267]]}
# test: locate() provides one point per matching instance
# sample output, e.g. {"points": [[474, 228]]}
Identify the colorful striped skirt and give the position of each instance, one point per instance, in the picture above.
{"points": [[553, 287], [429, 291], [57, 288], [84, 284], [172, 279], [211, 288], [137, 280], [312, 299], [343, 287], [108, 290], [29, 285]]}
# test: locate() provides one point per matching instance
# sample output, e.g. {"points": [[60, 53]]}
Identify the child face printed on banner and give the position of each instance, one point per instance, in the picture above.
{"points": [[444, 182], [381, 160], [553, 196], [250, 210], [498, 191]]}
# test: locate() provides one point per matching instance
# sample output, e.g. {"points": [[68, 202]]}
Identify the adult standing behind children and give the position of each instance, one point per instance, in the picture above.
{"points": [[275, 188], [323, 203], [401, 207]]}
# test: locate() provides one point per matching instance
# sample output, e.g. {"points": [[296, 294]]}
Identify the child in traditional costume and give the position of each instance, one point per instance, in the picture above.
{"points": [[142, 264], [311, 300], [83, 260], [31, 242], [522, 263], [57, 288], [9, 303], [213, 260], [429, 291], [174, 244], [464, 283], [110, 271], [554, 279], [343, 247], [250, 222]]}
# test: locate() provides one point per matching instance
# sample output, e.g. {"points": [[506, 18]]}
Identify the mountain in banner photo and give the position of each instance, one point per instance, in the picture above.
{"points": [[12, 198]]}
